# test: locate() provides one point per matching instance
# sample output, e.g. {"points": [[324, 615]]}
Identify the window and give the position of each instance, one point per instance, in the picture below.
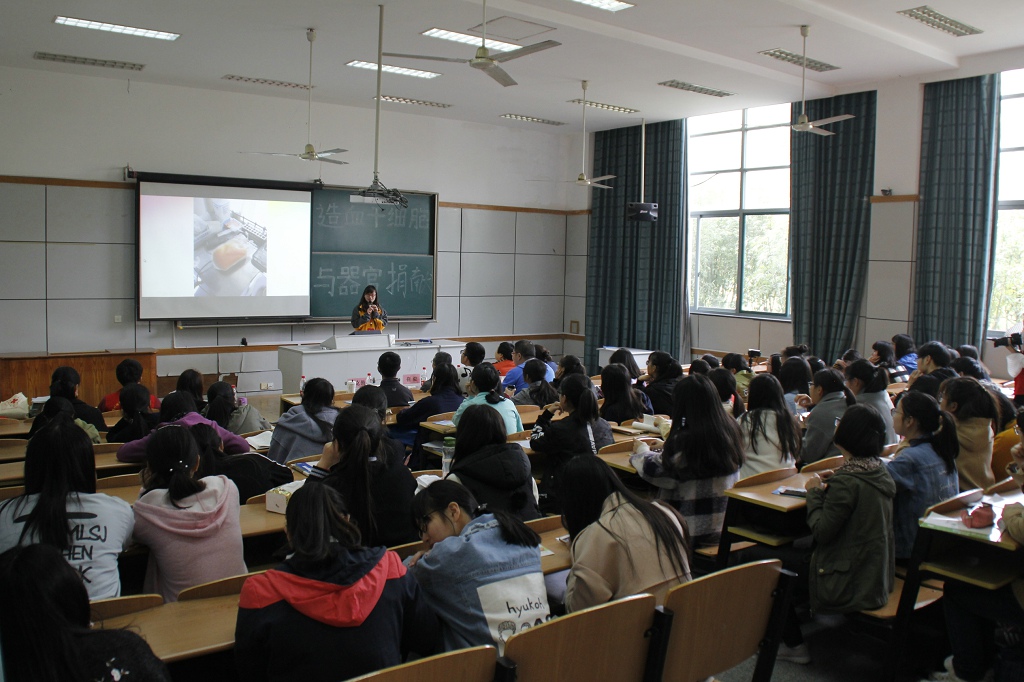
{"points": [[1006, 305], [739, 211]]}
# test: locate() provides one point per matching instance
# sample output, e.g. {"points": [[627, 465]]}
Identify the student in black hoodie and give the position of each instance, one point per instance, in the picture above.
{"points": [[334, 609], [389, 364], [136, 418], [252, 473], [497, 472], [664, 372], [64, 384]]}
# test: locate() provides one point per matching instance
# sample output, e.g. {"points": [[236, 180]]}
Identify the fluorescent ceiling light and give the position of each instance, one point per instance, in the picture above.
{"points": [[606, 107], [699, 89], [798, 59], [929, 17], [610, 5], [265, 81], [400, 70], [406, 100], [532, 119], [87, 61], [116, 28], [455, 36]]}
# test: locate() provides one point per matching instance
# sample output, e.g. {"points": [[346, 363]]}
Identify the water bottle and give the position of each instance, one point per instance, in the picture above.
{"points": [[369, 378], [302, 383], [447, 453], [350, 386], [423, 376]]}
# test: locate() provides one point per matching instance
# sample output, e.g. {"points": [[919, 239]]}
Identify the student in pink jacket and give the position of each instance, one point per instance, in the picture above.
{"points": [[180, 408], [190, 525]]}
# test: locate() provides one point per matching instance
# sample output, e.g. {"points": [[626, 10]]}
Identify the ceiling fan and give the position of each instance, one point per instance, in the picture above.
{"points": [[310, 153], [583, 180], [802, 125], [483, 59]]}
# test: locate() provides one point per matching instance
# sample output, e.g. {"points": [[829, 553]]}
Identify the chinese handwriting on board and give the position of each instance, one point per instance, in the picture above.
{"points": [[398, 280]]}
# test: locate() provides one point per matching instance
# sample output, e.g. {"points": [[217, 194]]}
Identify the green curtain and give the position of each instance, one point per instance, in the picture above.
{"points": [[830, 222], [957, 210], [635, 270]]}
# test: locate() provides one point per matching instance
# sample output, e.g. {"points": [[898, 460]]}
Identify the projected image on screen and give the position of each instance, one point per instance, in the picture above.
{"points": [[222, 252]]}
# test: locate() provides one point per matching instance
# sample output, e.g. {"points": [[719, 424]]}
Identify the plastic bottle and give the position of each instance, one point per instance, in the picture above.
{"points": [[447, 454], [423, 375], [302, 383], [369, 377]]}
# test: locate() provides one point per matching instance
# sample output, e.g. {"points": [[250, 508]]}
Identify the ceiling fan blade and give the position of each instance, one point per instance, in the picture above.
{"points": [[603, 177], [328, 152], [424, 56], [821, 131], [321, 158], [523, 51], [832, 119], [498, 74], [269, 153], [594, 184]]}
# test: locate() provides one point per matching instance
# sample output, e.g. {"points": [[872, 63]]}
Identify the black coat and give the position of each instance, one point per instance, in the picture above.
{"points": [[660, 393], [252, 473], [499, 476]]}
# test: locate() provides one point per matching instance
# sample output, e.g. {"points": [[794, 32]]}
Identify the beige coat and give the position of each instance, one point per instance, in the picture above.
{"points": [[616, 557], [975, 460]]}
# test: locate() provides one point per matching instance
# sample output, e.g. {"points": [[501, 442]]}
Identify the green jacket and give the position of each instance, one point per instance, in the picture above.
{"points": [[853, 564]]}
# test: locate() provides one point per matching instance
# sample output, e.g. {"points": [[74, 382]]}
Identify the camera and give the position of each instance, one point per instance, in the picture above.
{"points": [[1014, 340], [753, 353]]}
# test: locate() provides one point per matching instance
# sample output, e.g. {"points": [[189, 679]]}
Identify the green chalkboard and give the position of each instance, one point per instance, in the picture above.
{"points": [[343, 226], [405, 283]]}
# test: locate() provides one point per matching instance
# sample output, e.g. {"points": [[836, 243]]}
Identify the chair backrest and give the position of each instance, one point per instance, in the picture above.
{"points": [[440, 417], [721, 619], [1007, 485], [765, 477], [216, 588], [257, 499], [519, 435], [103, 609], [545, 523], [104, 448], [464, 665], [607, 642], [955, 503], [527, 409], [427, 472], [307, 458], [7, 492], [823, 464], [111, 414], [118, 481], [627, 445]]}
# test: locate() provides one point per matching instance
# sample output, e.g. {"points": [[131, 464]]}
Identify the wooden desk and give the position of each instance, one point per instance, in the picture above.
{"points": [[184, 629], [30, 372], [751, 511], [13, 472], [15, 428], [13, 453]]}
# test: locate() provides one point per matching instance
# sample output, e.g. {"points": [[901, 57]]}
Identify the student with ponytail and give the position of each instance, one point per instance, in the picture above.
{"points": [[64, 383], [621, 400], [223, 407], [191, 526], [829, 398], [477, 563], [868, 384], [370, 475], [925, 471], [304, 429], [485, 389], [538, 391], [136, 419]]}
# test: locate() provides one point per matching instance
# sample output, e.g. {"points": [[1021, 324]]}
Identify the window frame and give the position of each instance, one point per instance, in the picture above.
{"points": [[1009, 204], [694, 219]]}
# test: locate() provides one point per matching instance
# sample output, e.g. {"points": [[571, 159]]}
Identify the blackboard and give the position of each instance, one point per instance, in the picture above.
{"points": [[343, 226], [405, 283]]}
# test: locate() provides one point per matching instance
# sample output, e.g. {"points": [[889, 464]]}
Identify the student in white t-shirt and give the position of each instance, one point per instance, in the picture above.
{"points": [[61, 508]]}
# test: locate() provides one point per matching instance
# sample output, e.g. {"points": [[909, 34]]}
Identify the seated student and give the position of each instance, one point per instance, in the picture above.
{"points": [[977, 417], [191, 381], [700, 460], [795, 351], [815, 363], [969, 367], [712, 360], [252, 473], [60, 406], [136, 419], [372, 397], [623, 357], [440, 358], [664, 373], [698, 366], [725, 384], [485, 389], [374, 481], [503, 358], [850, 356], [223, 407], [737, 364], [497, 472], [582, 432], [621, 401], [538, 391], [622, 544], [45, 632], [934, 358], [885, 356], [389, 364], [523, 352], [905, 351], [472, 355], [177, 408], [64, 384], [335, 608], [304, 429], [868, 384], [128, 371], [445, 396], [569, 365], [849, 512], [544, 355], [478, 563], [795, 376], [1006, 432], [191, 526], [828, 401], [60, 505], [924, 471], [771, 434]]}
